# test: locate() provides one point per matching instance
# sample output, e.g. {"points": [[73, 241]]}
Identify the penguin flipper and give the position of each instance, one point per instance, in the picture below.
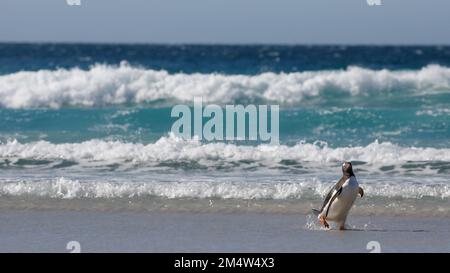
{"points": [[327, 199], [361, 191], [334, 191], [336, 194]]}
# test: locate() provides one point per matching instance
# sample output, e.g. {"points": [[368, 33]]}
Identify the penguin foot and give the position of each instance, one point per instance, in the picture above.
{"points": [[324, 222]]}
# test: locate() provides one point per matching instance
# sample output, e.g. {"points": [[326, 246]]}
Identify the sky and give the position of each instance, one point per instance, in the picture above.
{"points": [[227, 21]]}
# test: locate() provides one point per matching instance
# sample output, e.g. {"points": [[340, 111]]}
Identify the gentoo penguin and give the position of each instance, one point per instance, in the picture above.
{"points": [[340, 199]]}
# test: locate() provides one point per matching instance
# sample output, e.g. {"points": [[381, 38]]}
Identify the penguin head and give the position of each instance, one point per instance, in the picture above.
{"points": [[347, 169]]}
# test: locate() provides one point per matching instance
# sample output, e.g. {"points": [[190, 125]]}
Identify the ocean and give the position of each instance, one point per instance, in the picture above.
{"points": [[87, 127]]}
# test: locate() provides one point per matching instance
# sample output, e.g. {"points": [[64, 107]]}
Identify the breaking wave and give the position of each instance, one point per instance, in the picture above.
{"points": [[306, 189], [103, 85], [174, 150]]}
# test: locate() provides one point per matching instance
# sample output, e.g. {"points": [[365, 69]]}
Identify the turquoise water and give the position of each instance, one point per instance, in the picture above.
{"points": [[339, 127], [93, 121]]}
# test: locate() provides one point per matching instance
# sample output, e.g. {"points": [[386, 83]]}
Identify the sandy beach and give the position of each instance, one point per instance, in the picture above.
{"points": [[52, 230]]}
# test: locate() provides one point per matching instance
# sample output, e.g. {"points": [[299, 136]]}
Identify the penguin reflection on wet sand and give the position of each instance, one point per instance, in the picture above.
{"points": [[340, 199]]}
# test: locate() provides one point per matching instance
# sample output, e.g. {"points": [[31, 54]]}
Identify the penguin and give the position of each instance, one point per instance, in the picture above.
{"points": [[340, 199]]}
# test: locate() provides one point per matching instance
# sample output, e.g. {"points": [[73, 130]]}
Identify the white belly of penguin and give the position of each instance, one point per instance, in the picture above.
{"points": [[340, 207]]}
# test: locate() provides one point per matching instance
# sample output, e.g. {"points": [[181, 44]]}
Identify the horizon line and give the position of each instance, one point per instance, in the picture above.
{"points": [[229, 44]]}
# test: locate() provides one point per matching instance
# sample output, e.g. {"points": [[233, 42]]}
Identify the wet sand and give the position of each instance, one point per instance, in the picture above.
{"points": [[52, 230]]}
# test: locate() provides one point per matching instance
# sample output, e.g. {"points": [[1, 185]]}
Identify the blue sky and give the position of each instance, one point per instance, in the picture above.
{"points": [[227, 21]]}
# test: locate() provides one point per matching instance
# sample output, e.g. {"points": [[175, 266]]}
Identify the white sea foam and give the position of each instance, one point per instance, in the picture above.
{"points": [[109, 85], [295, 190], [434, 112], [68, 189], [172, 148]]}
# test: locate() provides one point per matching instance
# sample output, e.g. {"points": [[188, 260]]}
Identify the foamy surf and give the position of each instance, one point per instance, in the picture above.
{"points": [[296, 188], [124, 84], [172, 151], [191, 195]]}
